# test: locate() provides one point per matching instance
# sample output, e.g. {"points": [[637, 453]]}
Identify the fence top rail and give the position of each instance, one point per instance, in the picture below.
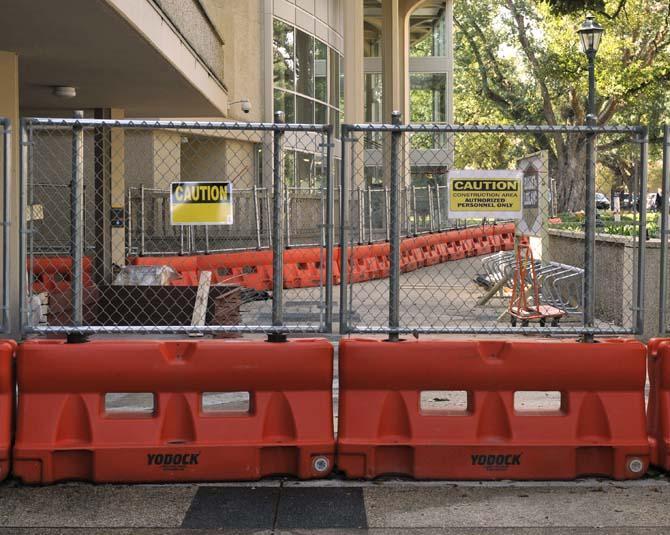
{"points": [[177, 125], [522, 129]]}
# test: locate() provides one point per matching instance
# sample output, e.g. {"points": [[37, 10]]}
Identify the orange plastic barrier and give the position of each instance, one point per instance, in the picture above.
{"points": [[55, 273], [507, 232], [64, 430], [454, 245], [7, 348], [658, 410], [303, 265], [252, 269], [599, 428]]}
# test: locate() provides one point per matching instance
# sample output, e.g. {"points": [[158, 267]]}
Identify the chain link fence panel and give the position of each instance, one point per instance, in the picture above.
{"points": [[103, 254], [451, 273]]}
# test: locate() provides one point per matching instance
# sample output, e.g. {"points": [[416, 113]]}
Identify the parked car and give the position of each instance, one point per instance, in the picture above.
{"points": [[628, 201], [602, 202]]}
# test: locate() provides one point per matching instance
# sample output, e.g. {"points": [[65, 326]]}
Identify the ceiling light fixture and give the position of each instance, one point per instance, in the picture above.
{"points": [[64, 91]]}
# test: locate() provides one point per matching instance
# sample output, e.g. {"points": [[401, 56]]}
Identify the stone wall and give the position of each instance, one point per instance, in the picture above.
{"points": [[616, 273]]}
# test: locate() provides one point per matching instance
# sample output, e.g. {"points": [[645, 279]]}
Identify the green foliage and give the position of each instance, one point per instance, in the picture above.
{"points": [[519, 62], [563, 7], [627, 226]]}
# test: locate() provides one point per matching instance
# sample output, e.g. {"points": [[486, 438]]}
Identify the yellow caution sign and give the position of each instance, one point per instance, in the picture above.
{"points": [[491, 194], [201, 203]]}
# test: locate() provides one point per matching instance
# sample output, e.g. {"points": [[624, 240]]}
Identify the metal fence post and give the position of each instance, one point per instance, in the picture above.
{"points": [[330, 233], [439, 208], [77, 221], [394, 270], [663, 286], [278, 220], [287, 215], [416, 219], [257, 216], [431, 207], [23, 246], [386, 213], [361, 217], [129, 223], [590, 233], [142, 222], [6, 206], [369, 202], [641, 255], [344, 244]]}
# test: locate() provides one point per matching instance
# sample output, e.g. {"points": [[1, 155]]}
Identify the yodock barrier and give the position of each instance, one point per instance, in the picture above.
{"points": [[302, 266], [6, 404], [658, 410], [597, 427], [66, 428]]}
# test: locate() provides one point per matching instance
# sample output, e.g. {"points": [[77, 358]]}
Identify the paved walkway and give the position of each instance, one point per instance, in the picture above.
{"points": [[389, 507]]}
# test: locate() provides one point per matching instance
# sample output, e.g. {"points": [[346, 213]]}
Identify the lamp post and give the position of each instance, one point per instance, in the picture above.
{"points": [[590, 34]]}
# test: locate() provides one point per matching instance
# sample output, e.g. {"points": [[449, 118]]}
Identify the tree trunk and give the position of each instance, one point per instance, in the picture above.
{"points": [[569, 172]]}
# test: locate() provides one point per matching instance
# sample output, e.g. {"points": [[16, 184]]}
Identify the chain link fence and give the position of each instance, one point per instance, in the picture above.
{"points": [[104, 252], [572, 264], [6, 166]]}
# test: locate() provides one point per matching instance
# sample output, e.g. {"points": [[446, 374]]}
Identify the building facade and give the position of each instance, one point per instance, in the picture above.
{"points": [[317, 61]]}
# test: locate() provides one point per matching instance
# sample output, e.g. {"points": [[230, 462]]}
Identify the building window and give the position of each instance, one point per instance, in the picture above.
{"points": [[282, 55], [428, 104], [304, 64], [320, 71], [285, 101], [428, 33], [307, 77], [308, 88]]}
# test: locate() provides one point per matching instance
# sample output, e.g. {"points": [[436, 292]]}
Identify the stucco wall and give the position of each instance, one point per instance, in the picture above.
{"points": [[240, 24], [191, 20]]}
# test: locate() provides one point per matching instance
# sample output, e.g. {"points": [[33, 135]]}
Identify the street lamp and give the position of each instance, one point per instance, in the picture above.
{"points": [[590, 35]]}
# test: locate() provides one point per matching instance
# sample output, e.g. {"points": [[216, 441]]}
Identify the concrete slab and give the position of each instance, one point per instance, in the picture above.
{"points": [[376, 508], [94, 506], [607, 506]]}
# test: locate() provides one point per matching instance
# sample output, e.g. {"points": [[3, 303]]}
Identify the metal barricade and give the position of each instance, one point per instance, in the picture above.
{"points": [[588, 261], [104, 255]]}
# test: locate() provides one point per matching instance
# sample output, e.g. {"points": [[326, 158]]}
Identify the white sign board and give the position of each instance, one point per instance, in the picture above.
{"points": [[490, 194]]}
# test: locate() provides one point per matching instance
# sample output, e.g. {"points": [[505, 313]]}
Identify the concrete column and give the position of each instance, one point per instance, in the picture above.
{"points": [[9, 107], [449, 28], [109, 187], [118, 188], [393, 38], [354, 91], [166, 169], [167, 158]]}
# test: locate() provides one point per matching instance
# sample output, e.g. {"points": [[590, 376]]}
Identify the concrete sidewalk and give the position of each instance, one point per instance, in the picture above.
{"points": [[388, 507]]}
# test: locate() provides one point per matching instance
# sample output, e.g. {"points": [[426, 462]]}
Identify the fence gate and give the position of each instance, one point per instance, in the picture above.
{"points": [[5, 163], [430, 229], [176, 227]]}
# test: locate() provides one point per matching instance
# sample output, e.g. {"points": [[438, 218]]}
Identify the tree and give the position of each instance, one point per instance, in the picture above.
{"points": [[518, 61]]}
